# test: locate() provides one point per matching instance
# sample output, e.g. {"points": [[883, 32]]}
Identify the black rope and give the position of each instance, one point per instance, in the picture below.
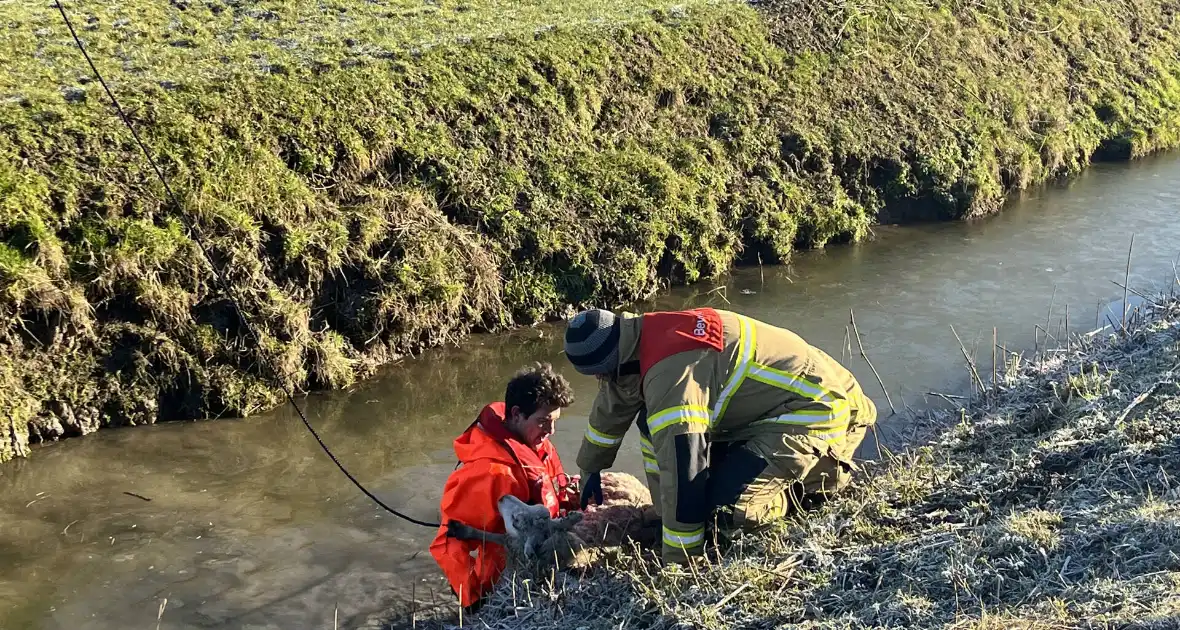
{"points": [[218, 277]]}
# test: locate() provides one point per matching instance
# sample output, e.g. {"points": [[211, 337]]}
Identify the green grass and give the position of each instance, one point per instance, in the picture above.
{"points": [[378, 177], [197, 42], [1046, 506]]}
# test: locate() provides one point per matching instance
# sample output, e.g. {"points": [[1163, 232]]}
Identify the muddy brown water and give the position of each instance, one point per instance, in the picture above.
{"points": [[247, 524]]}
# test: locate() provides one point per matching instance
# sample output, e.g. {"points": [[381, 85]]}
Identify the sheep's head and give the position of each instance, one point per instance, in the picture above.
{"points": [[522, 520], [531, 532]]}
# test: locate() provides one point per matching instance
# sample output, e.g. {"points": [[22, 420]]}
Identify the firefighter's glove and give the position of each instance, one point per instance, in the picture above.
{"points": [[591, 487]]}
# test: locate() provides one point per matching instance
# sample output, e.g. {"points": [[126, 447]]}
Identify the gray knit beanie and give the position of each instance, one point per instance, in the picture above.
{"points": [[592, 342]]}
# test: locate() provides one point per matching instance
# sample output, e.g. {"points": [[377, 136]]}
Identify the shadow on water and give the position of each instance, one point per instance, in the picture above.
{"points": [[250, 525]]}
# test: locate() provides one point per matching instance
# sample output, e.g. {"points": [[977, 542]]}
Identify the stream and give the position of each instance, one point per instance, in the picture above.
{"points": [[246, 523]]}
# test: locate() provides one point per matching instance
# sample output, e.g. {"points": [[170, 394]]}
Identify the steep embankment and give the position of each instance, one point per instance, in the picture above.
{"points": [[376, 177]]}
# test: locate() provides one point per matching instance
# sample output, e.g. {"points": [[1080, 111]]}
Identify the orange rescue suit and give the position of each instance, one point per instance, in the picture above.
{"points": [[492, 464]]}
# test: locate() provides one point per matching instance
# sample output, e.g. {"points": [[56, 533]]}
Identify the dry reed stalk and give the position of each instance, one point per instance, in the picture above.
{"points": [[1066, 335], [995, 383], [970, 361], [946, 396], [720, 290], [948, 399], [725, 600], [845, 357], [876, 440], [1137, 294], [1127, 283], [848, 342], [861, 344], [1048, 336], [160, 613], [1049, 315], [1175, 279]]}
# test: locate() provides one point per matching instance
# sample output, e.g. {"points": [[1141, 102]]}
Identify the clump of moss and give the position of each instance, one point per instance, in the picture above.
{"points": [[373, 179]]}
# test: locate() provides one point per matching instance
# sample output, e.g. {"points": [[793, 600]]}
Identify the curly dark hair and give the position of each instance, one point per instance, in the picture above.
{"points": [[537, 386]]}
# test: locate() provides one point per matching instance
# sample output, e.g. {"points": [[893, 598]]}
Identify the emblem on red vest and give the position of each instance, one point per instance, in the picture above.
{"points": [[667, 333]]}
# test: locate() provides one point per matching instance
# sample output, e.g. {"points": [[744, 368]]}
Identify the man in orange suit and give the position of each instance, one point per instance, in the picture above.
{"points": [[505, 451]]}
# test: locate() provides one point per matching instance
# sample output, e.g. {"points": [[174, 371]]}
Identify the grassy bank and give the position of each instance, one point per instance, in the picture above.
{"points": [[374, 178], [1052, 503]]}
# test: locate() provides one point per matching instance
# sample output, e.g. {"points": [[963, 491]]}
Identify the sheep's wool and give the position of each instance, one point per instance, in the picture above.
{"points": [[625, 514]]}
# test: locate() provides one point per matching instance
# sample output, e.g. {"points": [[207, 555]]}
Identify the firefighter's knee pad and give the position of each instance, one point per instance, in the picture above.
{"points": [[767, 500], [831, 474]]}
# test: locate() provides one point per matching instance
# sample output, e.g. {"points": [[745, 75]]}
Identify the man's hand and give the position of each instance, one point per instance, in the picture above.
{"points": [[591, 486]]}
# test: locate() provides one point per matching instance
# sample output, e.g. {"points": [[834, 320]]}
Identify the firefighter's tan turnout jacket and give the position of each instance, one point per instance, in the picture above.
{"points": [[691, 377]]}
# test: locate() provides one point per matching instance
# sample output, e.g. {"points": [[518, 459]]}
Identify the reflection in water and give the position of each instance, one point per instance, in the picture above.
{"points": [[250, 525]]}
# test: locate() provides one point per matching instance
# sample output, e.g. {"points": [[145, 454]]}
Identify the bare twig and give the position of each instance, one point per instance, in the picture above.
{"points": [[725, 600], [160, 613], [844, 357], [876, 440], [1047, 336], [1066, 335], [1005, 353], [970, 361], [1127, 283], [38, 498], [1134, 292], [860, 343], [1139, 399], [948, 399], [995, 374], [848, 342], [947, 396], [1049, 315], [721, 290], [1175, 278]]}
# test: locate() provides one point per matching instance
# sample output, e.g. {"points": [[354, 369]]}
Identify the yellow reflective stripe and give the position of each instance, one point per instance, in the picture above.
{"points": [[747, 343], [650, 464], [684, 540], [831, 437], [694, 414], [602, 439], [790, 382], [816, 420]]}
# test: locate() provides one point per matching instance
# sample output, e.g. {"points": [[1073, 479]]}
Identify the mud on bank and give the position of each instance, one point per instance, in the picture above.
{"points": [[376, 178], [1051, 502]]}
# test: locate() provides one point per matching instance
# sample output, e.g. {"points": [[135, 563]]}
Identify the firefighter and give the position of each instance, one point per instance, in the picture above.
{"points": [[732, 413], [505, 451]]}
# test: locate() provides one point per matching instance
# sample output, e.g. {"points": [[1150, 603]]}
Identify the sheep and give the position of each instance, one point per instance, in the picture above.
{"points": [[531, 537], [625, 514]]}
